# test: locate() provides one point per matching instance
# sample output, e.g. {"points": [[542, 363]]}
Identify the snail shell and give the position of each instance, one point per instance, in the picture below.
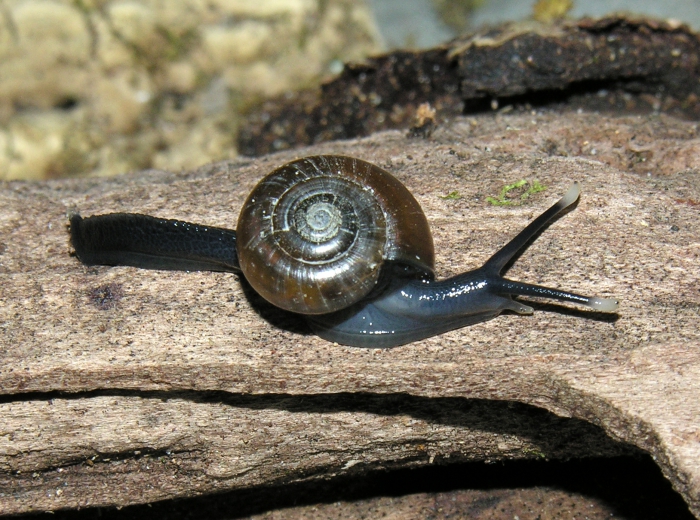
{"points": [[314, 234]]}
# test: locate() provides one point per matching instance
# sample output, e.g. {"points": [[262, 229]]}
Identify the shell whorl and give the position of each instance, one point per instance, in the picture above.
{"points": [[314, 234]]}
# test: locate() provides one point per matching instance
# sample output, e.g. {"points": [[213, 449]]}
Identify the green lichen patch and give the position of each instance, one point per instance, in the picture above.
{"points": [[453, 195], [516, 193]]}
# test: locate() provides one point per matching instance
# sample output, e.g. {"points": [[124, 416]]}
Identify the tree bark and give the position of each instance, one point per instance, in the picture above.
{"points": [[123, 385]]}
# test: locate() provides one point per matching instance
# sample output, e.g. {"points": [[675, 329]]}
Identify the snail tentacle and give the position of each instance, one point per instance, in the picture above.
{"points": [[495, 265], [498, 261]]}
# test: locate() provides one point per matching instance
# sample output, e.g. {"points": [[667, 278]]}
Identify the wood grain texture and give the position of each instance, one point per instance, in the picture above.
{"points": [[123, 385]]}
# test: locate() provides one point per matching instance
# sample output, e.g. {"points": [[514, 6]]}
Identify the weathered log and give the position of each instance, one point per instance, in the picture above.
{"points": [[123, 385], [519, 62]]}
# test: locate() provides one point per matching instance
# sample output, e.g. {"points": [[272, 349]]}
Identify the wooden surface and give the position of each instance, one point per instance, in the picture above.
{"points": [[123, 385]]}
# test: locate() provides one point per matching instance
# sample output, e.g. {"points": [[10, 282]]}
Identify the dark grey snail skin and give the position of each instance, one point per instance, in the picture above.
{"points": [[397, 301], [411, 310]]}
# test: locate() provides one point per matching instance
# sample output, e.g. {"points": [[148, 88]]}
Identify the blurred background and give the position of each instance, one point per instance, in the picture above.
{"points": [[103, 87]]}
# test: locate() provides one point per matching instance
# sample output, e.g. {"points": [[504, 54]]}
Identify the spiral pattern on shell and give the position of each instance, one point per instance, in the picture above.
{"points": [[313, 234]]}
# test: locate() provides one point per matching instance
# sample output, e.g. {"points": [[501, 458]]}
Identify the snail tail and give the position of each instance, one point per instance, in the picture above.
{"points": [[152, 243]]}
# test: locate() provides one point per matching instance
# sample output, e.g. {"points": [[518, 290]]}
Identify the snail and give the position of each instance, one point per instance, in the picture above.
{"points": [[336, 239]]}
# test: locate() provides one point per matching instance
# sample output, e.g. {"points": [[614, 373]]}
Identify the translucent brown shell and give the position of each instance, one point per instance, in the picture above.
{"points": [[314, 234]]}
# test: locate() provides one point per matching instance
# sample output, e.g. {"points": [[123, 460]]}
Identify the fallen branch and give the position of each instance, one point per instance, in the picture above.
{"points": [[123, 385]]}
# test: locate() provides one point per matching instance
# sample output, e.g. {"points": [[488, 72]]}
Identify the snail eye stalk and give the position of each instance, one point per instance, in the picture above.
{"points": [[495, 265]]}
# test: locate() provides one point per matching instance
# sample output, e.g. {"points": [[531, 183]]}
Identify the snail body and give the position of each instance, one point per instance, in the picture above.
{"points": [[338, 240]]}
